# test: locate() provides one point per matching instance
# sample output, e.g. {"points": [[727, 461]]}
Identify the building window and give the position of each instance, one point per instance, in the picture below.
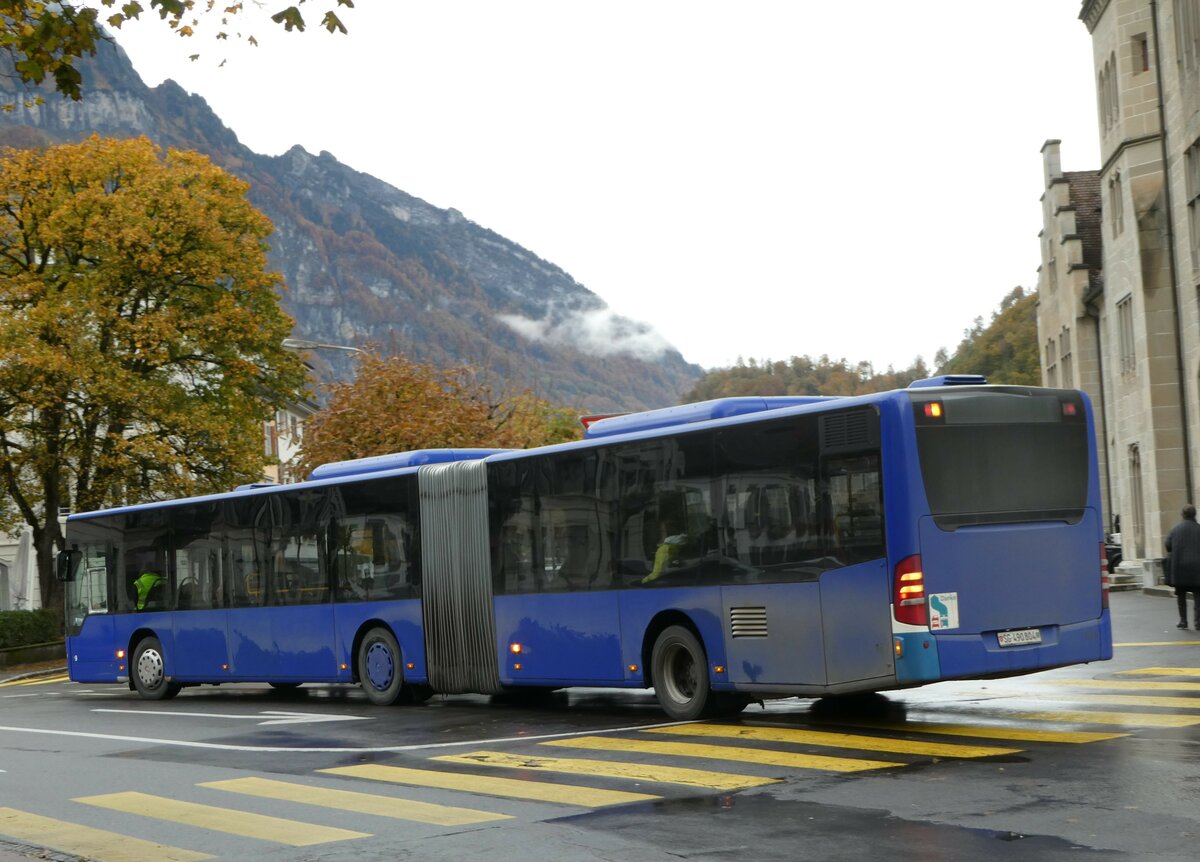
{"points": [[1065, 362], [1051, 266], [1106, 84], [1125, 334], [1192, 168], [270, 440], [1140, 54], [1051, 364], [1116, 205], [1187, 34]]}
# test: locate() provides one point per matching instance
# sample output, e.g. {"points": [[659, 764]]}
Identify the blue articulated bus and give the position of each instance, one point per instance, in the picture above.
{"points": [[721, 552]]}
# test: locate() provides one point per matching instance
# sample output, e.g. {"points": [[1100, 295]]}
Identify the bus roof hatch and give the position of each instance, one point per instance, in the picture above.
{"points": [[684, 414]]}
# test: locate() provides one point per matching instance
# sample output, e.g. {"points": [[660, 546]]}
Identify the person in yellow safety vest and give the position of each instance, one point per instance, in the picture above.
{"points": [[145, 583], [668, 551]]}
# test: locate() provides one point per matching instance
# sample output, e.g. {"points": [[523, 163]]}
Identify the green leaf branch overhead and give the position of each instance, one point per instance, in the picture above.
{"points": [[44, 40]]}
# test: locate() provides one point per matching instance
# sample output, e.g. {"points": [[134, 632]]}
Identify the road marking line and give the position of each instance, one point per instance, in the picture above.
{"points": [[612, 769], [1164, 671], [360, 803], [294, 833], [1123, 684], [284, 749], [1160, 643], [835, 740], [1127, 700], [268, 717], [1016, 734], [724, 752], [1124, 719], [487, 785], [87, 841]]}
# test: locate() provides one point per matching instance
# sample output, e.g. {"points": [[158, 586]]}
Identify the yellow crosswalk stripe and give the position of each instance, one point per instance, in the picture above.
{"points": [[609, 769], [833, 740], [87, 841], [1163, 671], [1124, 719], [725, 752], [291, 832], [487, 785], [983, 731], [1135, 700], [1124, 684], [350, 800]]}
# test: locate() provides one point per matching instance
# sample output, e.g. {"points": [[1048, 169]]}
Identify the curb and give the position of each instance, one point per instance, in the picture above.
{"points": [[34, 674]]}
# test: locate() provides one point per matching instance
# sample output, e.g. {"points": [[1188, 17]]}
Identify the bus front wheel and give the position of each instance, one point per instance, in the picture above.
{"points": [[680, 674], [379, 668], [149, 671]]}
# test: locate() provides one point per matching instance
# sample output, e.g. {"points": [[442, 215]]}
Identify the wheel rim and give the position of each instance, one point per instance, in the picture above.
{"points": [[150, 668], [680, 677], [381, 666]]}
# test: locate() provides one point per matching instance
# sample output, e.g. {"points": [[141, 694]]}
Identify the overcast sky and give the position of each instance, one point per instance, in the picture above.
{"points": [[764, 178]]}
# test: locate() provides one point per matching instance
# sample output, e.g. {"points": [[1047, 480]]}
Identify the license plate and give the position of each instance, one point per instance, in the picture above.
{"points": [[1020, 637]]}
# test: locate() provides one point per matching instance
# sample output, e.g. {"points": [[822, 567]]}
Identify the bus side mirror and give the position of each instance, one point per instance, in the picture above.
{"points": [[68, 561]]}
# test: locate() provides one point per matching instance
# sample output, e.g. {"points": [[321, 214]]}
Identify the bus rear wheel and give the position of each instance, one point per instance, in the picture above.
{"points": [[379, 668], [148, 671], [679, 671]]}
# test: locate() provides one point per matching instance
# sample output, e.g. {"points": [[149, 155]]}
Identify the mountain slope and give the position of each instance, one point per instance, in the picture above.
{"points": [[366, 263]]}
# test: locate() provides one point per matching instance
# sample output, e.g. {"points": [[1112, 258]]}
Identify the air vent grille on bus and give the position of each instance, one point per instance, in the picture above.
{"points": [[748, 622], [848, 430]]}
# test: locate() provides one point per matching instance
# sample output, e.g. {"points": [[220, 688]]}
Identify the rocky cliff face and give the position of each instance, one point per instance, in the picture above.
{"points": [[366, 263]]}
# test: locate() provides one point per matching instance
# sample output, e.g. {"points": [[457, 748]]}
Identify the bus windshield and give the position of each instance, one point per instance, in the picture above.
{"points": [[1002, 456]]}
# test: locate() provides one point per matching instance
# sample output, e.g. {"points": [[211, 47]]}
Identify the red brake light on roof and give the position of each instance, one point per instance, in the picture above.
{"points": [[908, 598], [586, 421], [933, 409], [1069, 408]]}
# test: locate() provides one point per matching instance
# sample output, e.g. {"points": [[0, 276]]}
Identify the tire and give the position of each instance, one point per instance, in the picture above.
{"points": [[147, 670], [379, 669], [679, 671]]}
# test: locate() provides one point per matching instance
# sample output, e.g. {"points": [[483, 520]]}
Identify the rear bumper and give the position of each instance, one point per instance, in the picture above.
{"points": [[980, 655]]}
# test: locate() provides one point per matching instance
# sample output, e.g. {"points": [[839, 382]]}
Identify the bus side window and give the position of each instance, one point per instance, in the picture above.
{"points": [[855, 516]]}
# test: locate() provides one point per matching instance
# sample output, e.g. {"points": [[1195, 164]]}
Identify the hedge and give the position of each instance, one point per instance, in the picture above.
{"points": [[21, 628]]}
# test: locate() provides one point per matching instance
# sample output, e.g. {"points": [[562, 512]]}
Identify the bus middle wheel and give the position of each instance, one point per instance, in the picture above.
{"points": [[379, 668]]}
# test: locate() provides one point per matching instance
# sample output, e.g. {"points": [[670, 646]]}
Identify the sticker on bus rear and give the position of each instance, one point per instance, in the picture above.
{"points": [[943, 611]]}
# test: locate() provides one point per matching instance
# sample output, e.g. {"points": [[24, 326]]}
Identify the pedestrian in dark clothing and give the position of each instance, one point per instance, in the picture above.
{"points": [[1183, 548]]}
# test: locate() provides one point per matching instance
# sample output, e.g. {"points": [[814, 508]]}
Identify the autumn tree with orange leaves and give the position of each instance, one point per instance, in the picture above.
{"points": [[140, 333], [396, 405]]}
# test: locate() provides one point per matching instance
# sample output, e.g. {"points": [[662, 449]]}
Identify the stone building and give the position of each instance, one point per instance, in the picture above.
{"points": [[1119, 285]]}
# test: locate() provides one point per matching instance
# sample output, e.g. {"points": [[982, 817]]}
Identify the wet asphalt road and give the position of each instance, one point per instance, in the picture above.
{"points": [[1099, 761]]}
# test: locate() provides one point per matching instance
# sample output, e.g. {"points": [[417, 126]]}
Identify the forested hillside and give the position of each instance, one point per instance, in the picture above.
{"points": [[1004, 351]]}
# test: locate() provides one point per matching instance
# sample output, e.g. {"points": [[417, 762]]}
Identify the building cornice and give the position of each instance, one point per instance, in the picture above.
{"points": [[1091, 12], [1125, 145]]}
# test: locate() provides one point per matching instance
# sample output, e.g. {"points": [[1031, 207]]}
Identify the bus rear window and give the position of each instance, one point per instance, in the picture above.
{"points": [[1002, 455]]}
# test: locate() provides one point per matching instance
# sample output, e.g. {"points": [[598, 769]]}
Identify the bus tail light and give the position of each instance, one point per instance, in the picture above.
{"points": [[909, 597], [1103, 576]]}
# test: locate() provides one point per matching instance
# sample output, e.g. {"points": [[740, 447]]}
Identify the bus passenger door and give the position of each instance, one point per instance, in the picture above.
{"points": [[201, 650]]}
